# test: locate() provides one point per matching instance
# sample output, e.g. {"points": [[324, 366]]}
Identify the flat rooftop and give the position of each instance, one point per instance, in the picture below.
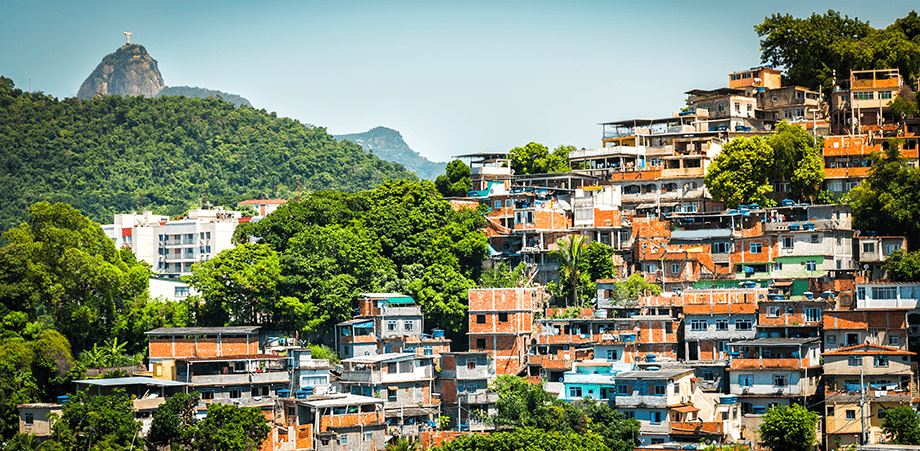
{"points": [[228, 330]]}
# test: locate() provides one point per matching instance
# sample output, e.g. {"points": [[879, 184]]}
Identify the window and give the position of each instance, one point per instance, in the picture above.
{"points": [[756, 248], [391, 325], [408, 325], [343, 439], [709, 375], [743, 324], [207, 394], [480, 343], [656, 417], [811, 265], [787, 241], [868, 248], [675, 268], [612, 354], [721, 247], [864, 95], [777, 266], [659, 389], [852, 339], [29, 418], [498, 205], [861, 293], [881, 413], [854, 361], [884, 292], [812, 314], [471, 364], [698, 324], [881, 361], [181, 291], [830, 411], [831, 339], [884, 95], [368, 436], [773, 311], [427, 350], [889, 248], [721, 324], [391, 395], [503, 317], [851, 414], [574, 392], [780, 380], [894, 340], [622, 389], [814, 239], [480, 319], [235, 393]]}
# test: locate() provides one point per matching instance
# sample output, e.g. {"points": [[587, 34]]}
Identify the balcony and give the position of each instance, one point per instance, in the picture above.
{"points": [[478, 398], [236, 378], [683, 172], [769, 364], [696, 427]]}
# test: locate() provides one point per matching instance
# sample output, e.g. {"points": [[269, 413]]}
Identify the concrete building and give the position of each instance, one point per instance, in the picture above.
{"points": [[404, 381], [171, 247], [774, 371], [464, 385], [328, 423], [501, 324], [652, 396], [35, 418], [263, 207]]}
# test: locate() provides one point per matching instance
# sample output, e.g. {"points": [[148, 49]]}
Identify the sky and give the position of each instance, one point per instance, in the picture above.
{"points": [[453, 77]]}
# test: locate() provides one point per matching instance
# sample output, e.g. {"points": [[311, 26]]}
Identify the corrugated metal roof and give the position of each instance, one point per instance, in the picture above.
{"points": [[136, 380], [228, 330], [701, 234]]}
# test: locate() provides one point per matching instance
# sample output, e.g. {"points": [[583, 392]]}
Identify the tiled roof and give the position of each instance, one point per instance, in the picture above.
{"points": [[869, 349]]}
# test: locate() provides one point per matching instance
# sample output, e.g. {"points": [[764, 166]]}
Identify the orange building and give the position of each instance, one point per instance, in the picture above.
{"points": [[501, 323]]}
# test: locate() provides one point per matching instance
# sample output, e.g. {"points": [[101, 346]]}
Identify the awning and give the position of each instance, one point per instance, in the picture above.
{"points": [[784, 283], [367, 325], [684, 409], [392, 387], [721, 409], [662, 205], [405, 300]]}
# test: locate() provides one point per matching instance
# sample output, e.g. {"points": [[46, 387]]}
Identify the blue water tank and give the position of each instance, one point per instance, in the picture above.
{"points": [[63, 399], [307, 389], [650, 358], [437, 333], [759, 410], [284, 393]]}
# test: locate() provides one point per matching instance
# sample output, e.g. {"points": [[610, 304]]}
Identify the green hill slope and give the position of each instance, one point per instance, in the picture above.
{"points": [[104, 155], [389, 145], [202, 93]]}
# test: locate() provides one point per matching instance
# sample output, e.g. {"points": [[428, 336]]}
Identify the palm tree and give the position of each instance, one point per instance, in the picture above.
{"points": [[569, 257]]}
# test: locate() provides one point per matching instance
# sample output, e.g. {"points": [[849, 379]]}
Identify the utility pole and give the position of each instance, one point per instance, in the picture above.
{"points": [[862, 408]]}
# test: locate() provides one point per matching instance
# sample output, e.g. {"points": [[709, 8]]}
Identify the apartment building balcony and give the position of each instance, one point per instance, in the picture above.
{"points": [[768, 364], [480, 397], [683, 172], [327, 422], [236, 378]]}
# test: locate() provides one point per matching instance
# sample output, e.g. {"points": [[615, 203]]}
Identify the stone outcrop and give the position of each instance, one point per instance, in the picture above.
{"points": [[130, 71]]}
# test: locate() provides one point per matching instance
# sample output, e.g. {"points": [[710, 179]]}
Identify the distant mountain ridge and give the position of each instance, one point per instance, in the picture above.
{"points": [[388, 144], [203, 93]]}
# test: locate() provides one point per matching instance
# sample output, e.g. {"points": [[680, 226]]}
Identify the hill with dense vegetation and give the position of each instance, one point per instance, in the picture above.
{"points": [[388, 144], [107, 155], [203, 93]]}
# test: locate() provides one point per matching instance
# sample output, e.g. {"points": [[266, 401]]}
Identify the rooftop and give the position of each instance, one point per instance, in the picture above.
{"points": [[338, 400], [399, 356], [776, 341], [666, 373], [869, 349], [228, 330], [136, 380]]}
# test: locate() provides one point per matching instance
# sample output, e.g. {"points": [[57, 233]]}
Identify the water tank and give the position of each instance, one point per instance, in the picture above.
{"points": [[437, 333], [63, 399], [284, 393], [650, 358], [759, 410]]}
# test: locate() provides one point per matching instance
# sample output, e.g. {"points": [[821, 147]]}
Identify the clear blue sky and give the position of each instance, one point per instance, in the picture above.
{"points": [[453, 77]]}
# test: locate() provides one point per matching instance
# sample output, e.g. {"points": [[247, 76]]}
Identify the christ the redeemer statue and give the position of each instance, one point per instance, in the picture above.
{"points": [[128, 35]]}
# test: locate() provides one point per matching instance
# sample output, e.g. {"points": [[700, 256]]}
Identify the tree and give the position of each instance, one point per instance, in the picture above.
{"points": [[238, 285], [501, 276], [535, 158], [174, 422], [61, 264], [806, 47], [569, 256], [443, 294], [619, 433], [789, 428], [597, 261], [797, 158], [633, 287], [740, 174], [98, 422], [231, 428], [902, 426], [903, 266], [526, 439], [456, 182]]}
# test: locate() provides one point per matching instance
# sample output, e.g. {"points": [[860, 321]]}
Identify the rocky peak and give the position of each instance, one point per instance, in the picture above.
{"points": [[130, 71]]}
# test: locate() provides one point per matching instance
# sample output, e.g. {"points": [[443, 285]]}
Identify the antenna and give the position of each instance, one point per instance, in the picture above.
{"points": [[30, 83]]}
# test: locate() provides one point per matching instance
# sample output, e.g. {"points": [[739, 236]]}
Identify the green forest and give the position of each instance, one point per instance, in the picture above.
{"points": [[114, 154]]}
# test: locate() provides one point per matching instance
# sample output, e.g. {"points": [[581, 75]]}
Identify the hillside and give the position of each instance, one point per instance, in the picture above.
{"points": [[130, 71], [388, 144], [203, 93], [107, 155]]}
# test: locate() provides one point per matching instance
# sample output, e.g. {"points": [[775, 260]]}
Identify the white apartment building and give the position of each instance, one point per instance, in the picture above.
{"points": [[171, 247]]}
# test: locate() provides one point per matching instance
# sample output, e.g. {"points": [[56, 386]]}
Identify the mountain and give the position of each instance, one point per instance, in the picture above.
{"points": [[130, 71], [203, 93], [110, 154], [388, 144]]}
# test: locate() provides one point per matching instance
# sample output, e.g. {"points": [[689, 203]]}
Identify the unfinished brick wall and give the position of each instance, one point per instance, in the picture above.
{"points": [[208, 346]]}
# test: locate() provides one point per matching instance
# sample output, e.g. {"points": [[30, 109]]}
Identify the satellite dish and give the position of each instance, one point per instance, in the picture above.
{"points": [[866, 266]]}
